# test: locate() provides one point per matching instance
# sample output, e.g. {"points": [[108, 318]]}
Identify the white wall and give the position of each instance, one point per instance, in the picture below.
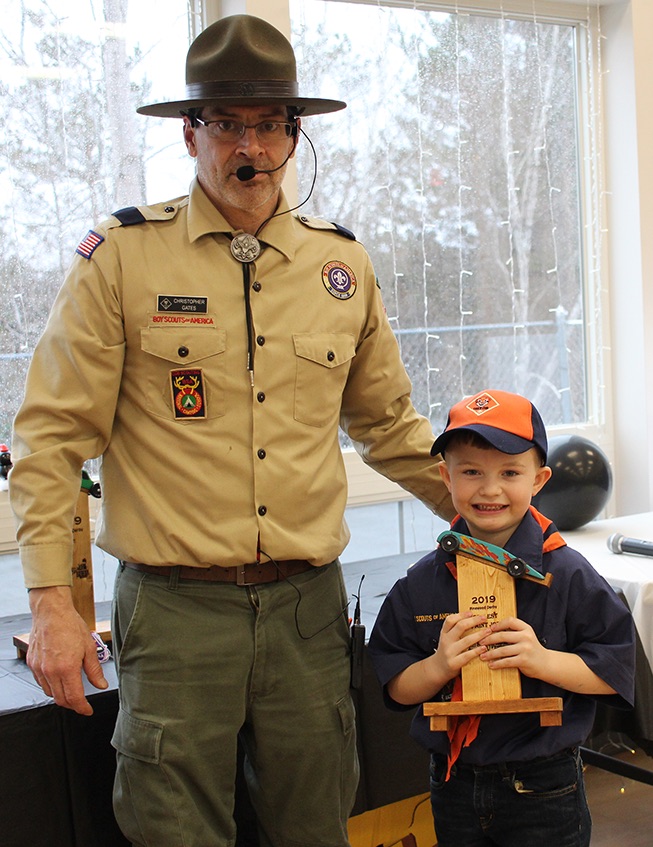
{"points": [[629, 167]]}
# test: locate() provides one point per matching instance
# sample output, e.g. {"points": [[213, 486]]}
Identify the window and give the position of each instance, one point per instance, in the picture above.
{"points": [[465, 164], [73, 149]]}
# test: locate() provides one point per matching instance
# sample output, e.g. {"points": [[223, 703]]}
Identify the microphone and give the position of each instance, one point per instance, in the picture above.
{"points": [[620, 544], [247, 172]]}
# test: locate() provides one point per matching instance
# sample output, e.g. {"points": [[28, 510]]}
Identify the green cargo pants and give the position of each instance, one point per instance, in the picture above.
{"points": [[201, 662]]}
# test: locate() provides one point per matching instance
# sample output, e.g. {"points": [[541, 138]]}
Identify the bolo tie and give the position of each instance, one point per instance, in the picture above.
{"points": [[246, 248]]}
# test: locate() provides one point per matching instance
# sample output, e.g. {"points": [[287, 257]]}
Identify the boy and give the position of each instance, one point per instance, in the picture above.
{"points": [[514, 782]]}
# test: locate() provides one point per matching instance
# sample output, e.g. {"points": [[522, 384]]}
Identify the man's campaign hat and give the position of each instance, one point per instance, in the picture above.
{"points": [[509, 422], [238, 61]]}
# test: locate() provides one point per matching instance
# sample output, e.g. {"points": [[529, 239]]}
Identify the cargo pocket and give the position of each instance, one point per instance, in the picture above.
{"points": [[350, 769], [137, 738], [323, 362], [144, 805]]}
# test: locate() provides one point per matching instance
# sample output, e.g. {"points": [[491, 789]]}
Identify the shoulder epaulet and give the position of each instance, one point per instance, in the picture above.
{"points": [[318, 223], [132, 215], [129, 216]]}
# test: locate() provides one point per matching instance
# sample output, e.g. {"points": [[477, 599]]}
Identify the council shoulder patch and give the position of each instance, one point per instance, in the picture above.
{"points": [[188, 399], [89, 244], [339, 280]]}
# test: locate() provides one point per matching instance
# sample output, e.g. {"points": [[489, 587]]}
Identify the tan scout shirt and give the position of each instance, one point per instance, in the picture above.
{"points": [[144, 362]]}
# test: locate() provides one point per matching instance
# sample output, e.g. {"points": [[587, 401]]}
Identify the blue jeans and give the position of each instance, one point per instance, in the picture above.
{"points": [[538, 803]]}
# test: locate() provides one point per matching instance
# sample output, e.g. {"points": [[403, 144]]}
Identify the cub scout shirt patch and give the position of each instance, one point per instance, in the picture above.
{"points": [[89, 243], [174, 303], [188, 399], [339, 280]]}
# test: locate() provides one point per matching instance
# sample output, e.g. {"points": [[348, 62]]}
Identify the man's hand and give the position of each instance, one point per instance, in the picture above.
{"points": [[60, 646]]}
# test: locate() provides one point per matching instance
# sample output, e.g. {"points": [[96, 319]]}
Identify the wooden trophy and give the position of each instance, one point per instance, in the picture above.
{"points": [[486, 586], [82, 569]]}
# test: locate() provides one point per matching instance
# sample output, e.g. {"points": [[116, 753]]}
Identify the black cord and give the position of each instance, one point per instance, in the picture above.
{"points": [[246, 278], [310, 192], [299, 600], [249, 321], [412, 820]]}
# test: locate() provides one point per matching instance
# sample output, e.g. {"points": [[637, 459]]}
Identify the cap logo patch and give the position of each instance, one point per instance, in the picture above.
{"points": [[188, 393], [339, 280], [482, 403]]}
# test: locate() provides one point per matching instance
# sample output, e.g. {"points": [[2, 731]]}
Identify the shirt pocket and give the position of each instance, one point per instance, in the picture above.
{"points": [[323, 360], [172, 349]]}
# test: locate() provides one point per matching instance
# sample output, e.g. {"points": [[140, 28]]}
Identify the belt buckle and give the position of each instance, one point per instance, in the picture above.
{"points": [[240, 575]]}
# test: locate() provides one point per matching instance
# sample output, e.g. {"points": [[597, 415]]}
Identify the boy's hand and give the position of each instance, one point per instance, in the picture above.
{"points": [[517, 646], [520, 648], [458, 645], [459, 642]]}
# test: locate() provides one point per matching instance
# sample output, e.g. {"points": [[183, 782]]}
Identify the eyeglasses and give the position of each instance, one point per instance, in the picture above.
{"points": [[225, 129]]}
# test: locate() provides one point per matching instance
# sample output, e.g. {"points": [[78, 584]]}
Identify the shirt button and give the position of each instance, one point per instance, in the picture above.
{"points": [[256, 286], [262, 510], [260, 340], [260, 397], [183, 352], [261, 454], [331, 355]]}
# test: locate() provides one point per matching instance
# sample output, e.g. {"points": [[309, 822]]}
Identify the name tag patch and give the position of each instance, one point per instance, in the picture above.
{"points": [[175, 303], [188, 399]]}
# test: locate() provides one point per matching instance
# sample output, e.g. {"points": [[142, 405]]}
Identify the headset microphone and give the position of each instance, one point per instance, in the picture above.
{"points": [[247, 172]]}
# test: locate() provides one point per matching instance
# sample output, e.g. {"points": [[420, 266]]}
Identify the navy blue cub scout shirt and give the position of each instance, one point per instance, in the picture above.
{"points": [[579, 613]]}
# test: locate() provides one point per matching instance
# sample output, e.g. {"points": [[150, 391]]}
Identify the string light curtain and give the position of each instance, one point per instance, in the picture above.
{"points": [[468, 163]]}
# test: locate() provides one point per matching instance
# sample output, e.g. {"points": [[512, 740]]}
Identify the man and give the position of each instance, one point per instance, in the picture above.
{"points": [[207, 349]]}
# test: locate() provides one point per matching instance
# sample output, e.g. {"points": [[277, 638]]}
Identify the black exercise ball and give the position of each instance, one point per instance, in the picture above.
{"points": [[580, 484]]}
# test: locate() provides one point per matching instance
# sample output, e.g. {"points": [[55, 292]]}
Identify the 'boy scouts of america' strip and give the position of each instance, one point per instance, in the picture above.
{"points": [[88, 244]]}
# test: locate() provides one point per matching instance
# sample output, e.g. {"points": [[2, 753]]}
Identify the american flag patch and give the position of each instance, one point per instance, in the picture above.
{"points": [[88, 244]]}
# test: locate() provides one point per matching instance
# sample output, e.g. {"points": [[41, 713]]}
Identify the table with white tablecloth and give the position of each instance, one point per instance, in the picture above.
{"points": [[630, 573]]}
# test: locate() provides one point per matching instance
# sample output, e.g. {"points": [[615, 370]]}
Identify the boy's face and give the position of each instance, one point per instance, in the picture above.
{"points": [[492, 490]]}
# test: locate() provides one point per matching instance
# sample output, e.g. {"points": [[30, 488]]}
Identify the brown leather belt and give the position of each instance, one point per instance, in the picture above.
{"points": [[251, 574]]}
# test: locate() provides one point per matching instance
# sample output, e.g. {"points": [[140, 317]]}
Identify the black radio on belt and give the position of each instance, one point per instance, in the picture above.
{"points": [[357, 642]]}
